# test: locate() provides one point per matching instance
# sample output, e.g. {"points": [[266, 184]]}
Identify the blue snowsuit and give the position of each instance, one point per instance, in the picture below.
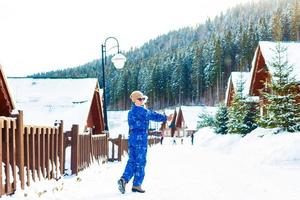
{"points": [[138, 121]]}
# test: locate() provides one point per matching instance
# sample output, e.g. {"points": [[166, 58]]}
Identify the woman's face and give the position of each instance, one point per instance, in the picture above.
{"points": [[140, 101]]}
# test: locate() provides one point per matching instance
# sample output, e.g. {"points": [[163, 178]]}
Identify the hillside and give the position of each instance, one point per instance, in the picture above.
{"points": [[191, 65]]}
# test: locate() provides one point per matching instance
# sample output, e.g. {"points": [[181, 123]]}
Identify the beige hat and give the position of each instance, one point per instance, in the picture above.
{"points": [[135, 95]]}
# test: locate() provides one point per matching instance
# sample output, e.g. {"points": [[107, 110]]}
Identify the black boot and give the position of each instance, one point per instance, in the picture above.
{"points": [[122, 185], [137, 189]]}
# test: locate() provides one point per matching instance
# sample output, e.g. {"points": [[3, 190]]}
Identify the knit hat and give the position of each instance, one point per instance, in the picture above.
{"points": [[136, 94]]}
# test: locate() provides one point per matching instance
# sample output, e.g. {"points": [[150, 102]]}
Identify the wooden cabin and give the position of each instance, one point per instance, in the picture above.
{"points": [[185, 120], [180, 124], [261, 71], [232, 85], [76, 101], [168, 128], [6, 101]]}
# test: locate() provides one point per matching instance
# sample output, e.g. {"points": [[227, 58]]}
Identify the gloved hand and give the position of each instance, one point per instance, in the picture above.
{"points": [[170, 117]]}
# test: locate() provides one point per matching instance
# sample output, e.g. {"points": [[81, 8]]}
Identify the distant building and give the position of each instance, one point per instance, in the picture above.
{"points": [[6, 101], [185, 119], [76, 101], [180, 124]]}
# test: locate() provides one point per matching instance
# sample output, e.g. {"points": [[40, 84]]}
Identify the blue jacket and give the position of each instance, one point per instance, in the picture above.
{"points": [[139, 117]]}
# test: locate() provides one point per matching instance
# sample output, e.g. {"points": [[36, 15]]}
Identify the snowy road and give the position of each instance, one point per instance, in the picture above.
{"points": [[180, 172]]}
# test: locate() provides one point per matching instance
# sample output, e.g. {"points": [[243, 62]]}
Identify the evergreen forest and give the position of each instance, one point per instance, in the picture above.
{"points": [[191, 66]]}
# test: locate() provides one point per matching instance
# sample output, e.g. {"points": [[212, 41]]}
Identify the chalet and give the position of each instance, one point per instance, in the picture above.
{"points": [[179, 124], [6, 101], [232, 85], [168, 128], [76, 101], [185, 119], [262, 71]]}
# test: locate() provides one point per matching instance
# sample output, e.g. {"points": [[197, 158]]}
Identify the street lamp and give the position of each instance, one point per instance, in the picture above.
{"points": [[118, 61]]}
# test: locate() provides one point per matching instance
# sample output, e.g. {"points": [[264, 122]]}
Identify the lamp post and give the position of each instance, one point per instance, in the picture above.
{"points": [[118, 61]]}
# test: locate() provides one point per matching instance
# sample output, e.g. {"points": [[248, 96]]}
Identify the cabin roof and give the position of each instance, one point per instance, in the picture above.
{"points": [[292, 55], [233, 81], [46, 100]]}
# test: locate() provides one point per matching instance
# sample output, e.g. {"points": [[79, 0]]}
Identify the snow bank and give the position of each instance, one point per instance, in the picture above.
{"points": [[261, 146], [276, 149]]}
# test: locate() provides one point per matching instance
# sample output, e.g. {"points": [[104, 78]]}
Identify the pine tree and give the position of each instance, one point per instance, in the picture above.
{"points": [[264, 30], [277, 26], [197, 74], [221, 120], [205, 120], [282, 109], [210, 71], [251, 117], [238, 112], [295, 21]]}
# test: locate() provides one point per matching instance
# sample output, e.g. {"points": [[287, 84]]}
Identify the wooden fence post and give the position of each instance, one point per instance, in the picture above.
{"points": [[113, 150], [32, 152], [74, 149], [20, 147], [6, 154], [1, 177], [92, 151], [61, 147], [120, 148]]}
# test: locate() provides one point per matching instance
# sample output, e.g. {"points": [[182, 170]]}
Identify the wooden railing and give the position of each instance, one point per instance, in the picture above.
{"points": [[8, 155], [31, 153], [38, 150], [117, 144], [121, 145], [85, 148], [43, 152]]}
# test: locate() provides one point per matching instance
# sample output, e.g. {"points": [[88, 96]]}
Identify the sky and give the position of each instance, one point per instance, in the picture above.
{"points": [[43, 35]]}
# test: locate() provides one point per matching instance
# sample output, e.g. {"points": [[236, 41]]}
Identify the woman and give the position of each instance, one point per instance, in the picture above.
{"points": [[138, 121]]}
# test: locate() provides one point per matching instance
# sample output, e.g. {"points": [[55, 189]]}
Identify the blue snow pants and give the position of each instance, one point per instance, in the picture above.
{"points": [[137, 147]]}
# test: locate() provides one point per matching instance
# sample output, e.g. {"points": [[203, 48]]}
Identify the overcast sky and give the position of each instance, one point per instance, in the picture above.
{"points": [[42, 35]]}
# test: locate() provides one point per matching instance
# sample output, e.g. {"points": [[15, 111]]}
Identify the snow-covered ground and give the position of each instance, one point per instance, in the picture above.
{"points": [[258, 166]]}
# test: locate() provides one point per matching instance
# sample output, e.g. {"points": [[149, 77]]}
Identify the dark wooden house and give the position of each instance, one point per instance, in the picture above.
{"points": [[262, 70], [6, 102]]}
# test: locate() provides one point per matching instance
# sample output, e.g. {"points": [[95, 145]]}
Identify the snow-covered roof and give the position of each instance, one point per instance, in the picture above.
{"points": [[292, 53], [46, 100], [191, 115], [235, 78]]}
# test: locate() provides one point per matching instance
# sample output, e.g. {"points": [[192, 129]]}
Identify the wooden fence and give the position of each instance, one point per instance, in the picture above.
{"points": [[43, 152], [117, 144], [8, 155], [85, 148], [122, 146], [38, 150]]}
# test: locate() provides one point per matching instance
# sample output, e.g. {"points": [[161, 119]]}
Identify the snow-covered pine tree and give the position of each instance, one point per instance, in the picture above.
{"points": [[205, 120], [282, 110], [221, 120], [238, 111], [251, 116]]}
